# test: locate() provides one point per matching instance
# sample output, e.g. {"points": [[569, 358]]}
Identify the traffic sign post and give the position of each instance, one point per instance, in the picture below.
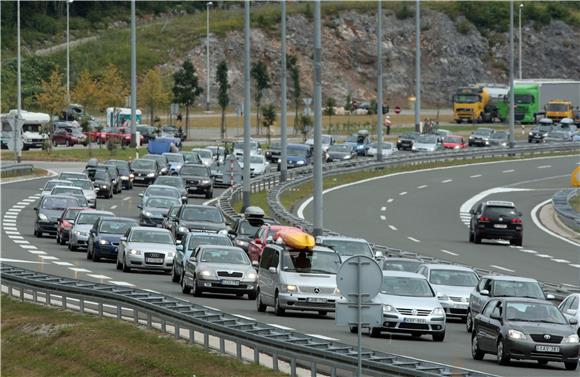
{"points": [[232, 172], [397, 110], [359, 280]]}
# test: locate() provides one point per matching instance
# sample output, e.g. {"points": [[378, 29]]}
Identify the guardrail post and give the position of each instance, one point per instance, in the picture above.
{"points": [[313, 369], [21, 294], [149, 324], [275, 362], [135, 316], [82, 305], [206, 339], [163, 325], [100, 309], [239, 350], [256, 355], [191, 336], [35, 296], [222, 345], [332, 371], [176, 330], [293, 367], [48, 298], [119, 314]]}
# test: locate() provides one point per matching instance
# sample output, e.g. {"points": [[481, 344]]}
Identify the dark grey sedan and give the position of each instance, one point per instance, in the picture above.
{"points": [[340, 152]]}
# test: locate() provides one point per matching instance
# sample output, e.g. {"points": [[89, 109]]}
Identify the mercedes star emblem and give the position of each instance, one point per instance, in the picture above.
{"points": [[414, 311], [316, 290]]}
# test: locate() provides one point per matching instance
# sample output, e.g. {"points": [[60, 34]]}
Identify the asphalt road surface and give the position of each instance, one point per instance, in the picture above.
{"points": [[20, 247]]}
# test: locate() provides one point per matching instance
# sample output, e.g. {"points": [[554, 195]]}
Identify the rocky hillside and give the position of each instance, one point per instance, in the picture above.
{"points": [[454, 53]]}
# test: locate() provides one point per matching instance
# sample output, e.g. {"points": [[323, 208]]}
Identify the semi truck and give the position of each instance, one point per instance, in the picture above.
{"points": [[478, 103], [554, 99]]}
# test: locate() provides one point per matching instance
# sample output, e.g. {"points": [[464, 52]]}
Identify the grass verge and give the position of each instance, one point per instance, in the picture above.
{"points": [[575, 202], [38, 341], [36, 172], [75, 154]]}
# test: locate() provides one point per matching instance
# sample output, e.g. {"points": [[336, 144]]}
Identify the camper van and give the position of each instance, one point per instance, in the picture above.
{"points": [[120, 116], [32, 133]]}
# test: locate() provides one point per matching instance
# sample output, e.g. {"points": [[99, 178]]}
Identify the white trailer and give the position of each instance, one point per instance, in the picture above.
{"points": [[32, 134]]}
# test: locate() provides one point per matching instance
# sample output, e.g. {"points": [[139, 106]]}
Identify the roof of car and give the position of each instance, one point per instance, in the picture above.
{"points": [[403, 274], [509, 278], [524, 299], [221, 247], [340, 238], [150, 229], [161, 186], [388, 259], [443, 266], [499, 203], [121, 219], [103, 212]]}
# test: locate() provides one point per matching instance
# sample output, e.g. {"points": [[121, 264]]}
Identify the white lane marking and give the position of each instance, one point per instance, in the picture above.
{"points": [[122, 283], [10, 232], [22, 203], [383, 217], [536, 221], [390, 200], [447, 181], [529, 251], [10, 228], [383, 209], [393, 227], [76, 269], [475, 176], [14, 211], [47, 257], [210, 308], [280, 326], [6, 216], [501, 268], [515, 247], [323, 337], [127, 198], [575, 265], [113, 207], [469, 203], [508, 171], [244, 317], [9, 221], [544, 256], [60, 263], [413, 239], [422, 187], [21, 242], [28, 200], [449, 252], [544, 166], [561, 261], [19, 261], [20, 206], [403, 193], [98, 276], [16, 237], [37, 252]]}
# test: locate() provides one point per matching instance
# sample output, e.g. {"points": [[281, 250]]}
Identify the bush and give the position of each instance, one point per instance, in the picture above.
{"points": [[404, 12], [464, 26]]}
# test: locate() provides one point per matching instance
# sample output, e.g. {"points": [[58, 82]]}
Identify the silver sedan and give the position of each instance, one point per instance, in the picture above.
{"points": [[146, 248]]}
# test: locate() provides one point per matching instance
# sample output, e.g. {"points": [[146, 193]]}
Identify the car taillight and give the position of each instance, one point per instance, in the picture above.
{"points": [[516, 220], [66, 224], [483, 219]]}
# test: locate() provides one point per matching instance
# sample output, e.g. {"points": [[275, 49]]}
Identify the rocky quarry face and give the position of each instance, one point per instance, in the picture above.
{"points": [[450, 59]]}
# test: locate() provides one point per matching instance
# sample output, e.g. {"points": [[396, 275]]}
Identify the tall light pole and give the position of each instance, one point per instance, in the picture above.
{"points": [[68, 52], [418, 66], [283, 105], [17, 127], [379, 81], [247, 128], [208, 5], [520, 39], [133, 76], [318, 225], [512, 102]]}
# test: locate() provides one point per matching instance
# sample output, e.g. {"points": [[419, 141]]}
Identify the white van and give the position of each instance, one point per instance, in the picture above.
{"points": [[32, 133]]}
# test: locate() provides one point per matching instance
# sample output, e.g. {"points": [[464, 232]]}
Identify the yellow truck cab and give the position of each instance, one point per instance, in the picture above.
{"points": [[559, 109], [478, 103]]}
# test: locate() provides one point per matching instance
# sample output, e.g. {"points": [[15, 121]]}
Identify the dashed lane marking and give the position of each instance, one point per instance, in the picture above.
{"points": [[390, 200], [47, 257], [127, 198], [544, 256], [244, 317], [501, 268], [10, 228], [104, 277], [575, 265], [508, 171], [449, 252], [19, 261], [122, 283], [60, 263], [28, 200], [544, 166], [210, 308], [21, 242], [529, 251], [447, 181], [323, 337], [475, 176], [383, 217], [383, 209], [16, 237], [560, 261], [403, 193], [393, 227], [422, 187], [10, 232], [413, 239], [37, 252], [76, 269], [113, 207]]}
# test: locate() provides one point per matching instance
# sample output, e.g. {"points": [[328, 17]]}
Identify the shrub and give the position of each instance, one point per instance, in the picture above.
{"points": [[464, 26], [403, 12]]}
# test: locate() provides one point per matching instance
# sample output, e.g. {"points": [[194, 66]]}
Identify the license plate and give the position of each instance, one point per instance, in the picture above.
{"points": [[139, 178], [547, 348], [231, 282], [415, 320], [318, 300], [500, 226], [154, 260]]}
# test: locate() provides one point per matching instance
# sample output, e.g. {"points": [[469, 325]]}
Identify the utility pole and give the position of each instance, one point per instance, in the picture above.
{"points": [[208, 5], [68, 52], [520, 39], [379, 80], [247, 128], [318, 204], [512, 102], [283, 105], [17, 125], [133, 77], [418, 66]]}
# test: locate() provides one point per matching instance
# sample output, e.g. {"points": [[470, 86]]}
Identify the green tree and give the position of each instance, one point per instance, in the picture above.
{"points": [[223, 96], [329, 110], [112, 89], [86, 91], [292, 66], [262, 82], [305, 126], [186, 89], [152, 92], [52, 98], [268, 120]]}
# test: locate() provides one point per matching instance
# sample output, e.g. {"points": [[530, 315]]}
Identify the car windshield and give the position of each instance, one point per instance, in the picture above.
{"points": [[256, 160], [275, 146], [224, 256], [174, 158], [499, 211], [534, 312], [310, 262], [162, 202], [406, 286], [517, 289], [499, 135], [67, 190], [65, 176], [71, 214], [559, 107], [50, 184], [346, 248], [427, 139], [151, 236], [297, 152], [54, 203], [401, 265], [340, 148], [453, 139], [547, 128], [209, 214], [203, 153], [523, 99], [482, 131], [453, 277], [247, 229], [90, 217], [169, 181], [466, 98], [76, 132], [199, 171], [101, 175], [115, 226], [217, 240], [163, 191], [83, 184], [143, 164]]}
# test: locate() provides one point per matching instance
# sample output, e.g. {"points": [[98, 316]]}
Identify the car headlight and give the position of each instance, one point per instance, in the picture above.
{"points": [[134, 252], [152, 174], [147, 214], [205, 274], [251, 276], [81, 234], [438, 311], [223, 231], [300, 162], [104, 242], [456, 147], [242, 243], [516, 335], [104, 186], [131, 175], [347, 157], [337, 291], [389, 309], [182, 229], [42, 216], [124, 178], [288, 288], [205, 181], [471, 137], [571, 339], [171, 254], [414, 148], [164, 170], [531, 133]]}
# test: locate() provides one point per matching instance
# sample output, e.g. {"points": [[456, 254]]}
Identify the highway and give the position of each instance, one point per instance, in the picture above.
{"points": [[434, 221]]}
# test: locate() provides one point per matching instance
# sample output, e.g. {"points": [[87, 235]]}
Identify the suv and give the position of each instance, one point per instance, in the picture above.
{"points": [[501, 286], [197, 218], [198, 179], [481, 137], [496, 220]]}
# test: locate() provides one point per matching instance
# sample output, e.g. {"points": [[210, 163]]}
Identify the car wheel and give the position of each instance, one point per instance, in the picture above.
{"points": [[470, 236], [502, 356], [259, 305], [89, 253], [184, 287], [71, 247], [476, 352], [516, 242], [252, 296], [571, 365], [125, 267], [374, 332], [209, 195], [469, 322], [322, 313], [174, 276], [119, 266], [37, 233], [439, 337], [67, 143], [277, 309], [95, 256], [476, 237], [195, 289], [353, 329]]}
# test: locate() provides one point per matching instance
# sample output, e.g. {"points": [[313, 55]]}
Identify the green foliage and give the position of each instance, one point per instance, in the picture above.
{"points": [[292, 67], [268, 118], [464, 27], [186, 89], [261, 78], [348, 102], [404, 12], [223, 96]]}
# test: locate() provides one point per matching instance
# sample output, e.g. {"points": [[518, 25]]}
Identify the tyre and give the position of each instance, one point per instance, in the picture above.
{"points": [[174, 276], [277, 309], [37, 233], [209, 195], [516, 242], [259, 305], [439, 337], [125, 267], [95, 256], [503, 357], [470, 236], [353, 329], [67, 143], [476, 352], [476, 237], [374, 332], [118, 265], [184, 287], [571, 365], [195, 289], [322, 313], [71, 247], [252, 296], [469, 321]]}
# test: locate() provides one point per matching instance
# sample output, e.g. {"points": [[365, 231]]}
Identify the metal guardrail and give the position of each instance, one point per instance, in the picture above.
{"points": [[22, 168], [561, 203], [299, 176], [184, 319]]}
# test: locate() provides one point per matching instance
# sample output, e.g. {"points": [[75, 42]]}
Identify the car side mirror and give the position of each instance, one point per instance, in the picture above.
{"points": [[140, 194], [550, 296], [484, 292], [573, 321], [273, 270], [255, 264], [258, 241], [472, 211], [495, 315], [36, 209], [178, 242], [193, 259]]}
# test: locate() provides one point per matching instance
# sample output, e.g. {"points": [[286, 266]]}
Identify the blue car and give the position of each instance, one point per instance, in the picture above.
{"points": [[298, 155], [105, 235]]}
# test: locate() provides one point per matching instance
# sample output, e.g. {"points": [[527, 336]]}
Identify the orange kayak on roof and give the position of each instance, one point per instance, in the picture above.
{"points": [[295, 239]]}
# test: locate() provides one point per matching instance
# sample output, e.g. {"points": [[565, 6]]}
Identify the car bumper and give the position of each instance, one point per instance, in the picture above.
{"points": [[526, 350], [106, 251], [455, 309], [219, 287], [394, 322], [79, 241], [143, 180], [198, 189], [136, 261], [301, 301], [46, 226], [103, 191], [493, 233], [480, 143]]}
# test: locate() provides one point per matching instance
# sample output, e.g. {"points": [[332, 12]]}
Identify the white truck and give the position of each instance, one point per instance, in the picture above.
{"points": [[31, 135], [118, 116]]}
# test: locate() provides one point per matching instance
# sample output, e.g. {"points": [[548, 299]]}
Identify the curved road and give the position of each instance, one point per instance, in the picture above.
{"points": [[20, 247]]}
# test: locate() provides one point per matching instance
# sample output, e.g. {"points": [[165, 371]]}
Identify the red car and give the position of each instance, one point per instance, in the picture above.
{"points": [[65, 223], [69, 137], [454, 142], [265, 234], [119, 134]]}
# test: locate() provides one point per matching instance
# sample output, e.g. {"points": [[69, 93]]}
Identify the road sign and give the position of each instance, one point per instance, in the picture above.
{"points": [[397, 110], [370, 314], [359, 276]]}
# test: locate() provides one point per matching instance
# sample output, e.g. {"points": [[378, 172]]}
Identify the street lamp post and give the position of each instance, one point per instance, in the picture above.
{"points": [[208, 5], [520, 39], [418, 67], [68, 52]]}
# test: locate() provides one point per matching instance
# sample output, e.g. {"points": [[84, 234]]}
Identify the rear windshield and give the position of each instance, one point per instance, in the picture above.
{"points": [[400, 265], [59, 203], [71, 214], [517, 289], [500, 211], [195, 241], [405, 286], [116, 227], [163, 191], [162, 202], [50, 184], [143, 164], [85, 185], [209, 214], [88, 217], [199, 171], [174, 158], [148, 236]]}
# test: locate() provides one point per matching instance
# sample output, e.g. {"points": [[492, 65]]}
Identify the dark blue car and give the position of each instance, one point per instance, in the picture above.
{"points": [[105, 235], [298, 155]]}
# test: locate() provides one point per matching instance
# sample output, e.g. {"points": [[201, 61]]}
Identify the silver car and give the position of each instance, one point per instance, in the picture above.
{"points": [[146, 248], [570, 307], [79, 234], [453, 285], [409, 306], [388, 149], [303, 280], [206, 155], [160, 191], [48, 186], [426, 143], [89, 191], [347, 247], [219, 269], [75, 192]]}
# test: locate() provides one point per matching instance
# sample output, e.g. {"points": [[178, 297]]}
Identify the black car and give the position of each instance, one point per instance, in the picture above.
{"points": [[115, 177], [481, 137], [340, 152], [125, 172], [524, 329], [192, 158], [148, 132], [173, 181], [539, 133], [49, 210], [198, 179], [500, 139], [496, 220], [103, 182], [154, 209], [245, 230], [197, 218], [161, 160], [406, 141], [105, 235], [273, 153], [145, 171]]}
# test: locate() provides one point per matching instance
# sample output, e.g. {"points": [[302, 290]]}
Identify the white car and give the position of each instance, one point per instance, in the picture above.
{"points": [[206, 155], [254, 148], [48, 186], [388, 149], [89, 191], [258, 165], [146, 248], [570, 307], [75, 192]]}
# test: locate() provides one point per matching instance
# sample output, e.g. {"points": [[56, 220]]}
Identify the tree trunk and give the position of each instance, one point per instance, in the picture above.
{"points": [[151, 116], [187, 122], [257, 118], [223, 126], [296, 120]]}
